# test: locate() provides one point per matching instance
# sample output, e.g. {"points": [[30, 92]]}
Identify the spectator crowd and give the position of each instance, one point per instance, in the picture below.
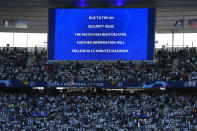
{"points": [[18, 64], [93, 111]]}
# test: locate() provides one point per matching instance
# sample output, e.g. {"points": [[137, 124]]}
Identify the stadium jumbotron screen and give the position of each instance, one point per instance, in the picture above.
{"points": [[101, 34]]}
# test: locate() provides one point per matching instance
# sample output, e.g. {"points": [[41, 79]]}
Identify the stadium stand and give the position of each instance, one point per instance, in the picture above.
{"points": [[14, 66], [147, 106], [144, 110]]}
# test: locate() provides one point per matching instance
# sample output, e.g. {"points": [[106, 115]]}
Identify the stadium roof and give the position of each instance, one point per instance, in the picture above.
{"points": [[36, 12]]}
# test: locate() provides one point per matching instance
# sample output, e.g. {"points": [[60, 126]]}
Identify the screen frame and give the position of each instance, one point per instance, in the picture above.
{"points": [[150, 36]]}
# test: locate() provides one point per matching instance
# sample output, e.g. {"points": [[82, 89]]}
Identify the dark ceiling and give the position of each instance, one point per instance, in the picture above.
{"points": [[98, 3], [36, 11]]}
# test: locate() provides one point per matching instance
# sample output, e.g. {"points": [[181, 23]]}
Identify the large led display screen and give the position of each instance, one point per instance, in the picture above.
{"points": [[101, 34]]}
